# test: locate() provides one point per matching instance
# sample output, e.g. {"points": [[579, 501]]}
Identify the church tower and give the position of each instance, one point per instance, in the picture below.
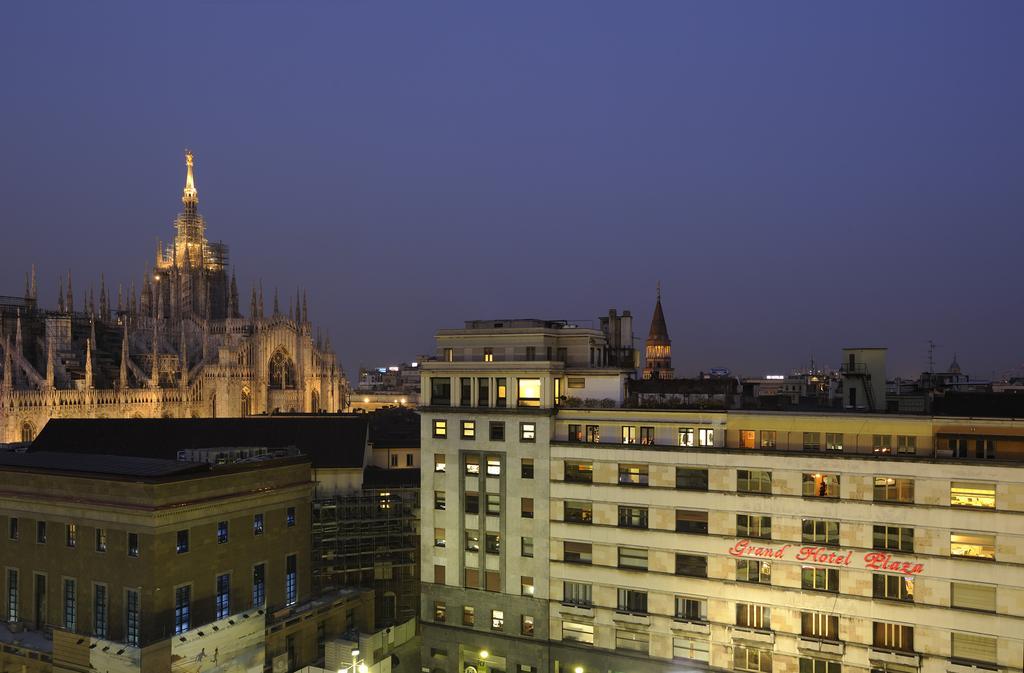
{"points": [[658, 354]]}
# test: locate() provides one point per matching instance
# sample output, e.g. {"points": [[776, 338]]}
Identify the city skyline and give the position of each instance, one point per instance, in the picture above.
{"points": [[539, 166]]}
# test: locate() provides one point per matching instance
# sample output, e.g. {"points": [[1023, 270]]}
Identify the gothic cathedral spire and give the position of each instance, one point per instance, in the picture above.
{"points": [[658, 353], [189, 196]]}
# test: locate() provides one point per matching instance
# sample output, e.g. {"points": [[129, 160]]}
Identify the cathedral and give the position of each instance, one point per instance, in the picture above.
{"points": [[179, 347]]}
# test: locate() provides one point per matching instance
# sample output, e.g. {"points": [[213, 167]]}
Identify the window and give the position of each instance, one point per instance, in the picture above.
{"points": [[818, 485], [706, 437], [972, 647], [472, 464], [754, 525], [492, 581], [753, 481], [222, 603], [893, 538], [182, 608], [973, 596], [493, 466], [820, 531], [577, 552], [101, 540], [633, 558], [41, 532], [574, 433], [819, 625], [440, 611], [472, 502], [257, 524], [528, 392], [767, 439], [526, 468], [500, 392], [578, 633], [691, 521], [99, 610], [579, 472], [893, 636], [12, 595], [526, 508], [493, 504], [440, 391], [632, 517], [973, 545], [497, 620], [526, 586], [636, 641], [182, 543], [751, 570], [472, 540], [526, 625], [819, 579], [646, 435], [691, 565], [753, 616], [133, 544], [629, 434], [471, 579], [497, 431], [133, 617], [468, 429], [527, 432], [881, 443], [751, 659], [439, 574], [632, 475], [488, 355], [71, 535], [492, 543], [985, 448], [692, 478], [222, 532], [577, 593], [696, 648], [578, 511], [439, 499], [906, 444], [812, 665], [686, 437], [812, 441], [893, 587], [440, 428], [748, 439], [12, 528], [972, 494], [440, 537], [440, 462], [526, 544], [833, 441], [593, 434], [531, 353], [259, 585], [690, 609], [468, 615], [465, 391], [394, 460], [894, 489]]}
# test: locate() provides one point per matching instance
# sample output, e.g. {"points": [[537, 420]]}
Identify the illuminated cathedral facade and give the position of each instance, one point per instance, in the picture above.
{"points": [[180, 347]]}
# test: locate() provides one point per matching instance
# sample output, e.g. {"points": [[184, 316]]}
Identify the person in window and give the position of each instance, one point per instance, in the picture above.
{"points": [[823, 489]]}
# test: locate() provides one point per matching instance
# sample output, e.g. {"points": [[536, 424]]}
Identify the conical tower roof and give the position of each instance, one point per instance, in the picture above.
{"points": [[659, 330]]}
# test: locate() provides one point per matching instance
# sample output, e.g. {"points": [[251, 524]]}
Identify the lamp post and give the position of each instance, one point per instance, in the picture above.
{"points": [[358, 665], [483, 660]]}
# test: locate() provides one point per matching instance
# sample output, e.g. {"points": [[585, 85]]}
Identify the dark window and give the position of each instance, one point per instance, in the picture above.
{"points": [[133, 544], [893, 587], [182, 608], [132, 617], [101, 539], [257, 524], [483, 392], [41, 532], [819, 579], [690, 521], [222, 532], [692, 478], [631, 601], [820, 531], [440, 391], [527, 468], [754, 525], [578, 552], [12, 528], [259, 585], [580, 473], [691, 565], [497, 431], [527, 508], [223, 599], [632, 517], [99, 610], [894, 538], [753, 481], [472, 503], [646, 435], [182, 545], [578, 512], [291, 580], [290, 516], [575, 433]]}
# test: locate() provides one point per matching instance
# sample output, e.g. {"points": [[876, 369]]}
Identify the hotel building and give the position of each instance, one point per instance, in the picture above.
{"points": [[564, 531]]}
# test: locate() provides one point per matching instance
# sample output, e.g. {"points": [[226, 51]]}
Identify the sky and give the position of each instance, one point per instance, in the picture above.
{"points": [[799, 176]]}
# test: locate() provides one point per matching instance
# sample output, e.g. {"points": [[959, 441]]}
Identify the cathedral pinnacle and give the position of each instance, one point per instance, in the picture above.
{"points": [[189, 195]]}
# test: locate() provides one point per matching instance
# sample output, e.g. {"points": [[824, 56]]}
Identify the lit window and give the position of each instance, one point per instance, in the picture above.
{"points": [[497, 620], [101, 539], [468, 615], [440, 462], [747, 439], [881, 444], [819, 625], [593, 434], [439, 537], [528, 392], [527, 432], [818, 485], [893, 636], [493, 466], [439, 500], [71, 534], [972, 494], [526, 586], [473, 464], [472, 540], [833, 441], [894, 489], [973, 545], [706, 437], [753, 616], [440, 428], [629, 434], [527, 625], [257, 524], [578, 512], [767, 439], [578, 472], [469, 429], [440, 611], [686, 437], [633, 475], [488, 355]]}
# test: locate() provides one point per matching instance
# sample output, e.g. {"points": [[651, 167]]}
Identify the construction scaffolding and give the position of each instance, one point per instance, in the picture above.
{"points": [[370, 540]]}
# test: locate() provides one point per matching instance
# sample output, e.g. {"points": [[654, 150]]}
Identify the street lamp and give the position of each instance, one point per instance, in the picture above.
{"points": [[578, 669], [483, 660]]}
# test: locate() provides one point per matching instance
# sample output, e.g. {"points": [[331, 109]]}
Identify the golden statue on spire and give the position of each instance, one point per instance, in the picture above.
{"points": [[189, 194]]}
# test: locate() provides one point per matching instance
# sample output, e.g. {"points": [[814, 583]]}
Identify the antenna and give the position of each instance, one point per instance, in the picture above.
{"points": [[931, 356]]}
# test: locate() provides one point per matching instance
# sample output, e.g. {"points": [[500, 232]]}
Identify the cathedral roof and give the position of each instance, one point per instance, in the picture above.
{"points": [[659, 330]]}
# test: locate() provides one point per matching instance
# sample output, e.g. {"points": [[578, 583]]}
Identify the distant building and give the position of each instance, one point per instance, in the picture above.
{"points": [[658, 350]]}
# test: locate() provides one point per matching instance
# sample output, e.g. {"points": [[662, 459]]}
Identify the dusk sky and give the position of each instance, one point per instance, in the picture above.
{"points": [[800, 176]]}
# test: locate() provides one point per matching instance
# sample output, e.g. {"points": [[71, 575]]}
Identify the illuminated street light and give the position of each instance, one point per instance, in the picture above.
{"points": [[484, 654], [578, 669]]}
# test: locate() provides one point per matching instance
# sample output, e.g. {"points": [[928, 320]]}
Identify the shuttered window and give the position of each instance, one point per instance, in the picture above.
{"points": [[972, 647], [974, 596]]}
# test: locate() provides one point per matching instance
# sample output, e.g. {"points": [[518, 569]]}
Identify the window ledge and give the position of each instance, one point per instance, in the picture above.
{"points": [[690, 627], [964, 666], [812, 644], [570, 609], [631, 618], [743, 633], [894, 657]]}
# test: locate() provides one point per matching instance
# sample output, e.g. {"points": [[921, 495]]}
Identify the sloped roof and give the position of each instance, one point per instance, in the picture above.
{"points": [[328, 440], [659, 330]]}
